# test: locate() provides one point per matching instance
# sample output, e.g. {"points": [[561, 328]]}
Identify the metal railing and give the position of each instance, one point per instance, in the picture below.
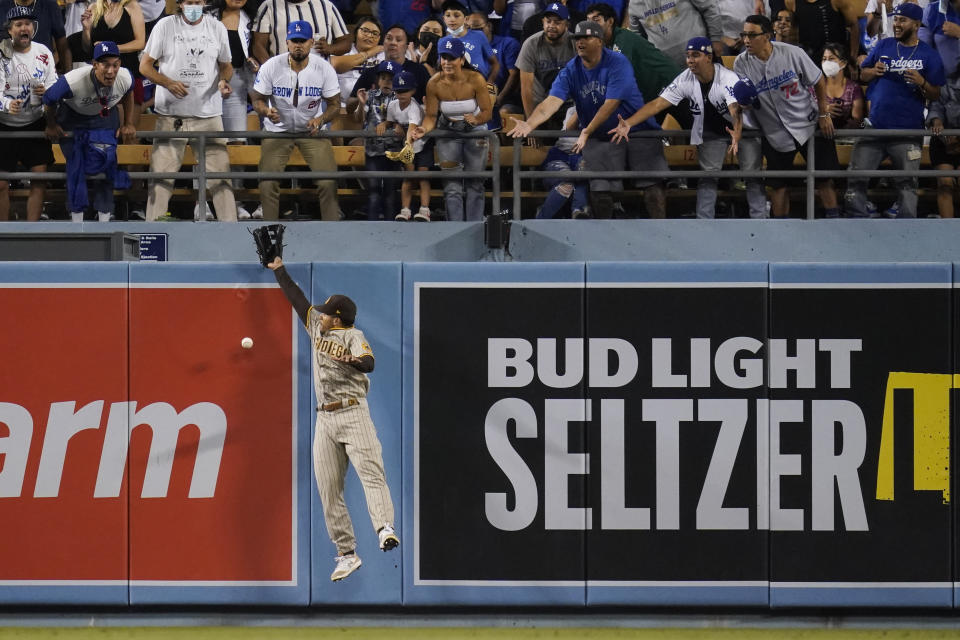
{"points": [[810, 173]]}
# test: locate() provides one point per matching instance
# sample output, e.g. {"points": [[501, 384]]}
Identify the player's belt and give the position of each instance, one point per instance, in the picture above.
{"points": [[339, 404]]}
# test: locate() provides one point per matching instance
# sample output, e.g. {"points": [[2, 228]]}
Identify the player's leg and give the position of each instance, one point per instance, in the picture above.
{"points": [[366, 454], [330, 469]]}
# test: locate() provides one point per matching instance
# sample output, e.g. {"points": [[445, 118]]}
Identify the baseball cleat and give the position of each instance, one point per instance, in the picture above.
{"points": [[388, 538], [345, 566]]}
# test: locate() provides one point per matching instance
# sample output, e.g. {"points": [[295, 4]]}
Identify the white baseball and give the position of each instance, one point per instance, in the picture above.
{"points": [[247, 343]]}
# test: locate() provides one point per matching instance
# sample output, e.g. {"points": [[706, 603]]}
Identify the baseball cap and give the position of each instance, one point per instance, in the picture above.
{"points": [[386, 66], [456, 5], [452, 47], [18, 12], [105, 49], [746, 93], [558, 10], [404, 81], [908, 10], [340, 306], [299, 30], [700, 43], [588, 29]]}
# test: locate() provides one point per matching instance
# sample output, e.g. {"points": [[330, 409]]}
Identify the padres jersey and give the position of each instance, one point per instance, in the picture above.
{"points": [[336, 380]]}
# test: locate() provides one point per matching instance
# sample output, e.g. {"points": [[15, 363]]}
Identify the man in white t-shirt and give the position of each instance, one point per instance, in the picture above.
{"points": [[296, 92], [330, 34], [193, 78], [26, 71]]}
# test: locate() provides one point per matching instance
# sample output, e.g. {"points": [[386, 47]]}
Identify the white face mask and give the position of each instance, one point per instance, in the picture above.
{"points": [[831, 68], [192, 12], [458, 32]]}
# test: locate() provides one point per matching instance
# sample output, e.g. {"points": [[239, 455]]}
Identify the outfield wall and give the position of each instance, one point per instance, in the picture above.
{"points": [[573, 434]]}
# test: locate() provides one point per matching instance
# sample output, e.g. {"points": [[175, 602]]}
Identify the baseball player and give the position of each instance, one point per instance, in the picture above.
{"points": [[341, 361]]}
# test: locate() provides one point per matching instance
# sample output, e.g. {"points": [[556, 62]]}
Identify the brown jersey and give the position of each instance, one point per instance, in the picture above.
{"points": [[334, 380]]}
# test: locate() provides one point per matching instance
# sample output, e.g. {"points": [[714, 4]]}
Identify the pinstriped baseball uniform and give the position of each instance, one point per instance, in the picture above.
{"points": [[346, 433]]}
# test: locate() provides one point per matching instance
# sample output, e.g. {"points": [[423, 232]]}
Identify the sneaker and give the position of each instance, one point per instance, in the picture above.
{"points": [[196, 212], [167, 217], [345, 566], [893, 211], [388, 538], [580, 214], [103, 216], [138, 214], [423, 215], [403, 216], [242, 213], [258, 213], [76, 216]]}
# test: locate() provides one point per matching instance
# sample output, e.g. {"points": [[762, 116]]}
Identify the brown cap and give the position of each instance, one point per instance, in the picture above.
{"points": [[340, 306]]}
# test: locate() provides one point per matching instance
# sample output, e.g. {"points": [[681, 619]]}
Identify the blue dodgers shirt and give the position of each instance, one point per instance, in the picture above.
{"points": [[612, 79], [895, 103], [478, 51]]}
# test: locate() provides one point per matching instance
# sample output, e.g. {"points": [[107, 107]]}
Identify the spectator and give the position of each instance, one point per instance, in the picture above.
{"points": [[601, 84], [120, 22], [670, 23], [371, 110], [903, 73], [85, 103], [458, 100], [945, 150], [195, 68], [876, 26], [534, 24], [477, 51], [780, 77], [507, 82], [26, 71], [277, 93], [717, 124], [784, 28], [844, 96], [469, 6], [822, 21], [582, 7], [514, 14], [541, 58], [651, 69], [407, 14], [48, 30], [733, 13], [941, 31], [425, 52], [562, 189], [396, 43], [152, 11], [367, 36], [406, 114], [330, 35]]}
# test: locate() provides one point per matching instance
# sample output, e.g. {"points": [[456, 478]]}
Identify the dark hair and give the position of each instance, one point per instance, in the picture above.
{"points": [[605, 11], [397, 25], [840, 52], [429, 19], [369, 20], [761, 21]]}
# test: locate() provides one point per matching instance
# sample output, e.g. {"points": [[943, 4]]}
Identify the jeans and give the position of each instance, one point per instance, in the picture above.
{"points": [[100, 192], [382, 192], [562, 188], [867, 154], [711, 153], [235, 106], [468, 154]]}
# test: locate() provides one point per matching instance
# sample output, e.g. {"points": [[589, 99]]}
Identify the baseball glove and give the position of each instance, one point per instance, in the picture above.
{"points": [[405, 155], [269, 241]]}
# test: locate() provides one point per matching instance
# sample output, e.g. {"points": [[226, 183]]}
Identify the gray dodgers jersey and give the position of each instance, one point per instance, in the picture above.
{"points": [[788, 109], [336, 380]]}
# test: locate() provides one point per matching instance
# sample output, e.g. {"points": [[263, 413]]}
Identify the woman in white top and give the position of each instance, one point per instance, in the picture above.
{"points": [[367, 39], [458, 100]]}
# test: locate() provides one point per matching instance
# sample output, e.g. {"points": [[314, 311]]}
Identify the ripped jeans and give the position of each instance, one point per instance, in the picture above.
{"points": [[467, 154]]}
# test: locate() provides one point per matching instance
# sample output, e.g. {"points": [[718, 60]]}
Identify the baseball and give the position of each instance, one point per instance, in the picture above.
{"points": [[247, 343]]}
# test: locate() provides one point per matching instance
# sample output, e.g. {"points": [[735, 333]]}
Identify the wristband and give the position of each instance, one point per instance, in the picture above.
{"points": [[824, 115]]}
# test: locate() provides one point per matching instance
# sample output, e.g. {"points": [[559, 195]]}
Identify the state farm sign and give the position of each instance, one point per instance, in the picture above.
{"points": [[139, 442]]}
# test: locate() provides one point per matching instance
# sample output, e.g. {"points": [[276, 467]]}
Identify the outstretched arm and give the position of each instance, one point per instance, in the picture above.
{"points": [[290, 289]]}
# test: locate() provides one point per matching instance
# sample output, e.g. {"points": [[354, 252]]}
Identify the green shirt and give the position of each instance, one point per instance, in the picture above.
{"points": [[657, 70]]}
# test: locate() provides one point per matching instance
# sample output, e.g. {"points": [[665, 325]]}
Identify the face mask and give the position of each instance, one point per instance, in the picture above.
{"points": [[462, 29], [831, 68], [192, 12], [428, 37]]}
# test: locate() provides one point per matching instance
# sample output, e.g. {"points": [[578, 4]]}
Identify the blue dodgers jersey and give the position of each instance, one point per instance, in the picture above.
{"points": [[590, 88], [894, 103], [478, 51]]}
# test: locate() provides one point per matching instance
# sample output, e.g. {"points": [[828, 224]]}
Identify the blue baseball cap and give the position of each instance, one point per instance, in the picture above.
{"points": [[746, 93], [700, 43], [105, 49], [451, 47], [404, 81], [299, 30], [908, 10], [18, 12], [386, 66], [557, 9]]}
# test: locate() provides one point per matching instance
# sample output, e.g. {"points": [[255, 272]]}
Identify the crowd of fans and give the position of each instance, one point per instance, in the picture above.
{"points": [[606, 71]]}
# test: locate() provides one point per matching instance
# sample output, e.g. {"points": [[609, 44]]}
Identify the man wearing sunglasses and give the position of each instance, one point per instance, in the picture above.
{"points": [[84, 101]]}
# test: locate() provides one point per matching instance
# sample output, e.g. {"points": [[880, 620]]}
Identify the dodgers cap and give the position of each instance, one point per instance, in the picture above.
{"points": [[299, 30], [557, 9]]}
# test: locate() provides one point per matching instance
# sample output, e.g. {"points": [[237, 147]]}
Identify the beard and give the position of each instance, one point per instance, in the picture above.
{"points": [[299, 56]]}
